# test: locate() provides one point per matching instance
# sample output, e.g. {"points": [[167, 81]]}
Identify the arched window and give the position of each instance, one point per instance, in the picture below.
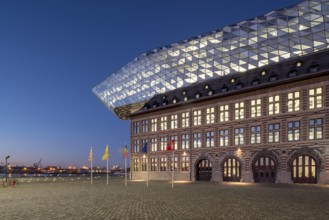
{"points": [[304, 169]]}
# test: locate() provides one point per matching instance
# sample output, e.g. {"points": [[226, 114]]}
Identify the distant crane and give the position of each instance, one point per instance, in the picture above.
{"points": [[38, 164]]}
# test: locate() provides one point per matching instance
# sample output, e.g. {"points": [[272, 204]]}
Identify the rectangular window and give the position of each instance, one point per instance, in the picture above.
{"points": [[238, 136], [174, 122], [136, 146], [175, 138], [136, 127], [185, 140], [239, 110], [175, 165], [274, 133], [163, 143], [196, 140], [154, 144], [144, 126], [256, 108], [293, 101], [185, 163], [210, 117], [163, 163], [136, 164], [144, 164], [223, 138], [315, 98], [163, 123], [185, 119], [197, 117], [154, 124], [255, 134], [154, 164], [274, 105], [315, 130], [210, 139], [223, 113], [294, 131]]}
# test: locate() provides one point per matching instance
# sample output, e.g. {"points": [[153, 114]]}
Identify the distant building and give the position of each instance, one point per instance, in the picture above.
{"points": [[249, 102]]}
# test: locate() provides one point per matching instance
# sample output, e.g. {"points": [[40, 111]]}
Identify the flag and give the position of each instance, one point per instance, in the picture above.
{"points": [[171, 145], [106, 154], [144, 148], [125, 152], [91, 155]]}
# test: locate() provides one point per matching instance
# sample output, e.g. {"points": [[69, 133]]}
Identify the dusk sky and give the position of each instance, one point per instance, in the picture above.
{"points": [[53, 52]]}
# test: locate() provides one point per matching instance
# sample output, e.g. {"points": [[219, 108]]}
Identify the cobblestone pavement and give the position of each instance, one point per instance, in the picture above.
{"points": [[72, 198]]}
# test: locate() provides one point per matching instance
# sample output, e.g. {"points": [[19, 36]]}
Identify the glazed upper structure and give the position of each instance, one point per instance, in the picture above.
{"points": [[275, 37]]}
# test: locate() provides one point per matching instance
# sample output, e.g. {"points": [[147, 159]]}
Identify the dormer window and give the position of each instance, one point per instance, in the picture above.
{"points": [[224, 88], [185, 98], [314, 67], [164, 97], [210, 92], [238, 86], [197, 95], [184, 92], [255, 82], [299, 63], [273, 78], [292, 73], [174, 101], [155, 105], [263, 73], [164, 103], [233, 80], [206, 86]]}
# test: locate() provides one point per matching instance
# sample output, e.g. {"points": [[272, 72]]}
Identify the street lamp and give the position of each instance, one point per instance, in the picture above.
{"points": [[7, 167]]}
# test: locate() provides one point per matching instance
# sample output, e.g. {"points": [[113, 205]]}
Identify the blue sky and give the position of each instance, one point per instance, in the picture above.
{"points": [[52, 53]]}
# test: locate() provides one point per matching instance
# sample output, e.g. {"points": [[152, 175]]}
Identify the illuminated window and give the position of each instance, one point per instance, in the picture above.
{"points": [[175, 164], [154, 124], [154, 164], [163, 163], [154, 144], [315, 130], [163, 123], [223, 138], [304, 169], [136, 127], [196, 140], [185, 163], [144, 126], [274, 132], [144, 164], [210, 117], [136, 146], [175, 139], [238, 136], [210, 139], [185, 141], [294, 131], [255, 134], [274, 105], [136, 164], [293, 101], [185, 119], [197, 117], [315, 98], [239, 110], [223, 113], [256, 108], [163, 143], [174, 121]]}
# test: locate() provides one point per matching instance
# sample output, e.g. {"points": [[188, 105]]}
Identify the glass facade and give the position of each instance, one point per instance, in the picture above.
{"points": [[271, 38]]}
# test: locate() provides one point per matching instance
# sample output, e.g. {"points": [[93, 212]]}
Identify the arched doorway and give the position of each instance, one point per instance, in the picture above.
{"points": [[232, 170], [304, 169], [203, 170], [264, 170]]}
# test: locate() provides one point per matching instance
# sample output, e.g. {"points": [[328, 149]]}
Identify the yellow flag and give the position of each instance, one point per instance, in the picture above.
{"points": [[106, 154]]}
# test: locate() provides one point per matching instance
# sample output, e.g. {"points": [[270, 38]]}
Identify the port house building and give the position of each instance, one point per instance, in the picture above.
{"points": [[248, 102]]}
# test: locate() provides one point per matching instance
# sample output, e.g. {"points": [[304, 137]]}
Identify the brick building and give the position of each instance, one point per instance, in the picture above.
{"points": [[248, 102]]}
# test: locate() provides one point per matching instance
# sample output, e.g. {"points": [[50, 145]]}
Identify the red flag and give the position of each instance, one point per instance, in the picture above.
{"points": [[171, 145], [125, 152]]}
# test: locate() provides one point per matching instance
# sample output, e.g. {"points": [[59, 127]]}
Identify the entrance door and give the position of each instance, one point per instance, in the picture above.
{"points": [[232, 170], [204, 171], [304, 170], [264, 170]]}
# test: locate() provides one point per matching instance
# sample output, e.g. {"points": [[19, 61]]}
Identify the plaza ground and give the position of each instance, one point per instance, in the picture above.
{"points": [[75, 198]]}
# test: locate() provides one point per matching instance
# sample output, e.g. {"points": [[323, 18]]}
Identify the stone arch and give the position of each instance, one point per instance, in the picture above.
{"points": [[265, 153], [198, 158], [316, 154]]}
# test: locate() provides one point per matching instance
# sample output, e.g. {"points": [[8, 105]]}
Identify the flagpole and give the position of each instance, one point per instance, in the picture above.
{"points": [[91, 172], [125, 171], [107, 171], [173, 168], [147, 170]]}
